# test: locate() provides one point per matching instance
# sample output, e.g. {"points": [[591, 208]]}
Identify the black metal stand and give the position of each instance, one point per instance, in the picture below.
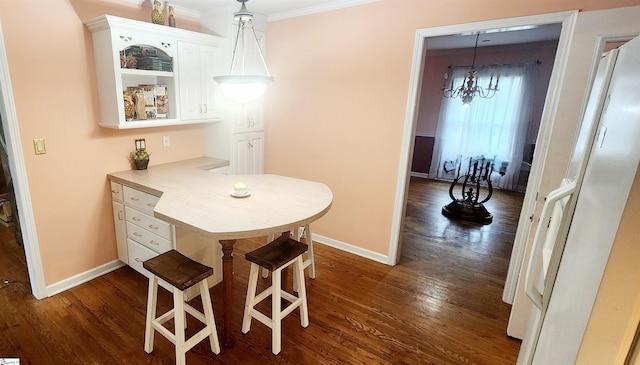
{"points": [[470, 207]]}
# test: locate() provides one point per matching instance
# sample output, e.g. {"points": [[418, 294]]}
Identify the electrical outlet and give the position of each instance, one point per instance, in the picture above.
{"points": [[166, 141]]}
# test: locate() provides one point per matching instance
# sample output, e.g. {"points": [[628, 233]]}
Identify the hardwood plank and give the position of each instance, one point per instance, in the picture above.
{"points": [[440, 305]]}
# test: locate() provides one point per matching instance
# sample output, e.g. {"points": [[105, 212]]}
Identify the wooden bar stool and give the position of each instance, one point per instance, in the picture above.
{"points": [[309, 261], [275, 256], [182, 273]]}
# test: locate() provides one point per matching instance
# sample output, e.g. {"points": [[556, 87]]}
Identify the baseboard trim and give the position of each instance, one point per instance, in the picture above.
{"points": [[83, 277], [362, 252], [419, 174]]}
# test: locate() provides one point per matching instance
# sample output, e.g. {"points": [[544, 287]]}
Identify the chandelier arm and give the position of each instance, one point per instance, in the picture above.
{"points": [[264, 63]]}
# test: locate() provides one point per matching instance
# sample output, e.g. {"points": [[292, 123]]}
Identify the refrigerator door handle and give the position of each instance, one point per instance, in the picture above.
{"points": [[541, 235]]}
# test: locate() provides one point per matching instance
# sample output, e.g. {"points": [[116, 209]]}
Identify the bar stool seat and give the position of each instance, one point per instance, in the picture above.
{"points": [[182, 273], [276, 256]]}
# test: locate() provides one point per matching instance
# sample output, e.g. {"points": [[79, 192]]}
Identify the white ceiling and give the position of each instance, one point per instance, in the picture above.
{"points": [[497, 37]]}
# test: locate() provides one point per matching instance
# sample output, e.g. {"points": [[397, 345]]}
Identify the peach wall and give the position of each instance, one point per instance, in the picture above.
{"points": [[337, 108], [342, 127], [52, 73]]}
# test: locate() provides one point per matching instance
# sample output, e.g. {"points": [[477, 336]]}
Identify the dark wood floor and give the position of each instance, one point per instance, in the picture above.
{"points": [[440, 305]]}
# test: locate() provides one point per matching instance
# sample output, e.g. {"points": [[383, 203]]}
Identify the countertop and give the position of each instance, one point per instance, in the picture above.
{"points": [[200, 200]]}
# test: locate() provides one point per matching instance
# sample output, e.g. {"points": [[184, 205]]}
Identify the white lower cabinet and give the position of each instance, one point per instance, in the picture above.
{"points": [[141, 236]]}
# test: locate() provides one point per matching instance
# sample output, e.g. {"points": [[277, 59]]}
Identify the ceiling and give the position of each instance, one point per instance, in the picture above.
{"points": [[497, 37], [273, 9], [282, 9]]}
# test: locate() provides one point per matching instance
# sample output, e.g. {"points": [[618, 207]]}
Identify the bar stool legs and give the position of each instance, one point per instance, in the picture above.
{"points": [[181, 273], [272, 257]]}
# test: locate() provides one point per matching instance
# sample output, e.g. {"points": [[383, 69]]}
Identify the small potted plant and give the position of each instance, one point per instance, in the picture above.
{"points": [[140, 157]]}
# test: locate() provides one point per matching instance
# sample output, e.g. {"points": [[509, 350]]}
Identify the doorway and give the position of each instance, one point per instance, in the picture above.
{"points": [[567, 20], [18, 173]]}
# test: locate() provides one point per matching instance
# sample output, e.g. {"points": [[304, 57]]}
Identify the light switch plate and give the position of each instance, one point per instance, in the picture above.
{"points": [[38, 146]]}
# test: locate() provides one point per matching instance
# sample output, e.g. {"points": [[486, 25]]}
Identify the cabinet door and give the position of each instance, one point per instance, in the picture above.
{"points": [[247, 153], [210, 66], [121, 231], [189, 79], [199, 93]]}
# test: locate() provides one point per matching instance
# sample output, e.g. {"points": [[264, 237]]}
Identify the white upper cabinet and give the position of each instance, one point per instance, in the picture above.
{"points": [[200, 95], [142, 58]]}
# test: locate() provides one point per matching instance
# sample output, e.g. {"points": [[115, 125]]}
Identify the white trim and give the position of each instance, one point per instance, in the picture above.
{"points": [[83, 277], [547, 123], [350, 248], [19, 177], [334, 5], [425, 135], [419, 174], [568, 20]]}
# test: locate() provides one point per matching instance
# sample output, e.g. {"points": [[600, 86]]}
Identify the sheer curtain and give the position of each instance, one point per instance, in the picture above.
{"points": [[495, 127]]}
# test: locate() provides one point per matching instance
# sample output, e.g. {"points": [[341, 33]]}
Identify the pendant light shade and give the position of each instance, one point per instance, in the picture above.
{"points": [[239, 86]]}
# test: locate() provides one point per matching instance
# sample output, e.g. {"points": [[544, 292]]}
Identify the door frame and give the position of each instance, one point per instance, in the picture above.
{"points": [[19, 176], [568, 20]]}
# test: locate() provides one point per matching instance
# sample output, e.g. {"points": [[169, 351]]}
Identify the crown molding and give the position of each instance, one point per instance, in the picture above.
{"points": [[335, 5]]}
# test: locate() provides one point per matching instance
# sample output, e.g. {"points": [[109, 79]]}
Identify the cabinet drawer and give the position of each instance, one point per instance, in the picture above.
{"points": [[139, 254], [116, 191], [141, 200], [152, 241], [151, 224]]}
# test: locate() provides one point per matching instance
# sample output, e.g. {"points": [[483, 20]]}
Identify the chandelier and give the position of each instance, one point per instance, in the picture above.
{"points": [[239, 86], [469, 87]]}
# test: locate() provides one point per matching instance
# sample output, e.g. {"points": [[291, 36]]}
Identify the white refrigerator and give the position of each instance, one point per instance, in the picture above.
{"points": [[580, 219]]}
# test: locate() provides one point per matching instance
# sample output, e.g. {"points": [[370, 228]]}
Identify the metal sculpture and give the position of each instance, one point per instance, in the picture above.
{"points": [[470, 204]]}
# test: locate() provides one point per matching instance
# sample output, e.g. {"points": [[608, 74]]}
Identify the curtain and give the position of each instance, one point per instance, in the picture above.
{"points": [[494, 128]]}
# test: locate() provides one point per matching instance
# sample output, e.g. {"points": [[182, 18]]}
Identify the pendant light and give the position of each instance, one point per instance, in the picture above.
{"points": [[239, 86], [469, 87]]}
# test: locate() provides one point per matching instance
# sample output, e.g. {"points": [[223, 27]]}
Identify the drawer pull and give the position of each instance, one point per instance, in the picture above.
{"points": [[153, 227], [151, 205], [134, 218], [154, 243], [134, 198], [120, 217], [137, 234], [115, 191], [139, 259]]}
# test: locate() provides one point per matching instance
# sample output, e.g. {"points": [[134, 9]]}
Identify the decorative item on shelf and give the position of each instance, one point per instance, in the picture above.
{"points": [[140, 157], [172, 17], [141, 107], [157, 17], [129, 105], [241, 87], [469, 87]]}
